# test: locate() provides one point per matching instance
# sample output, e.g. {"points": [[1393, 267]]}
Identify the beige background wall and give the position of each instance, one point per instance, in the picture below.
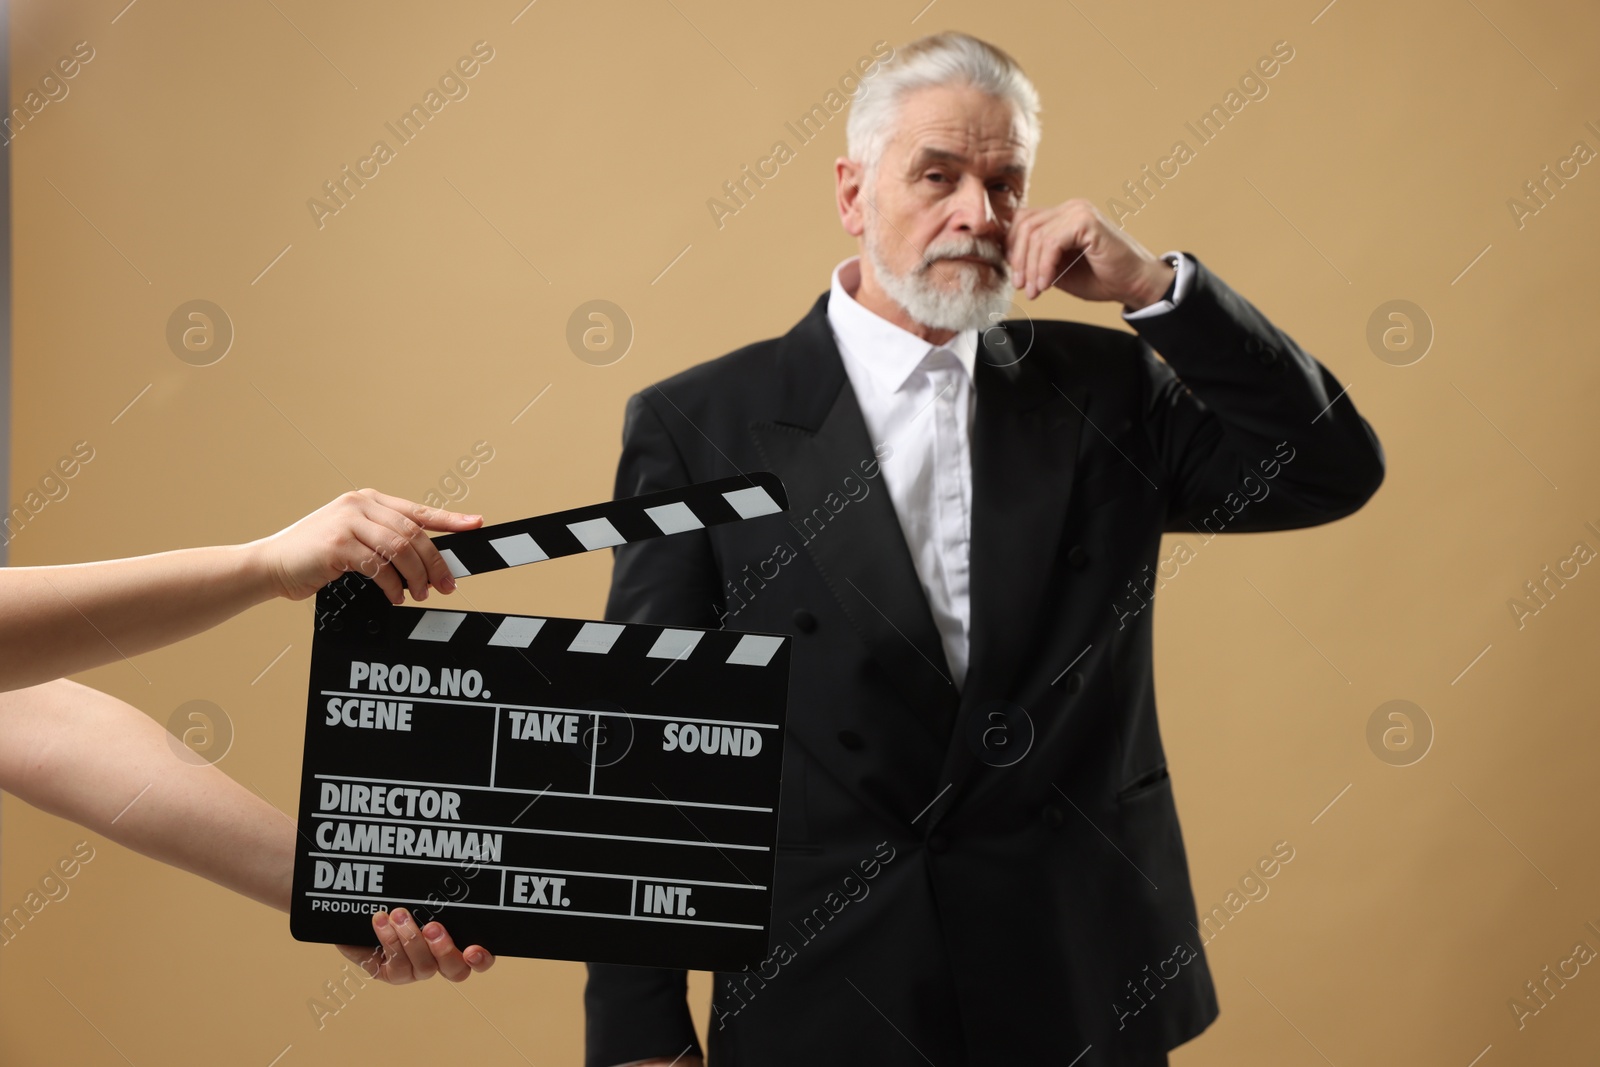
{"points": [[428, 313]]}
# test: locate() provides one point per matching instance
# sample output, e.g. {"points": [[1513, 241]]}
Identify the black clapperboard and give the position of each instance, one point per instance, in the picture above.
{"points": [[557, 788]]}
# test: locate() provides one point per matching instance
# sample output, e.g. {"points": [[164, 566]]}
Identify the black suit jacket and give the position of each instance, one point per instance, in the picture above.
{"points": [[994, 875]]}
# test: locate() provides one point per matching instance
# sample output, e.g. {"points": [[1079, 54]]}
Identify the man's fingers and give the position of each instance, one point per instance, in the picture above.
{"points": [[423, 965], [1017, 253], [1073, 244], [1037, 243], [1016, 241], [449, 958], [479, 958], [1055, 259], [1066, 246], [1029, 233]]}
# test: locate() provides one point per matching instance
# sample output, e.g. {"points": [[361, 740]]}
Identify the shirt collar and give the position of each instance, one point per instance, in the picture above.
{"points": [[889, 353]]}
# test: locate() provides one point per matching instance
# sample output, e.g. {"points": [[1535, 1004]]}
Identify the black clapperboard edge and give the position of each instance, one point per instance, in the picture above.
{"points": [[353, 605]]}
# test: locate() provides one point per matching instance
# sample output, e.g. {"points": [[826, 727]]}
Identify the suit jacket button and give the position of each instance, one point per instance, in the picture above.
{"points": [[850, 739], [804, 621], [1053, 816], [1074, 681], [1077, 557], [938, 843]]}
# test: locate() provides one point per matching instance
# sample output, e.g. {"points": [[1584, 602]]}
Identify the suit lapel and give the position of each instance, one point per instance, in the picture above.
{"points": [[1025, 439], [819, 440]]}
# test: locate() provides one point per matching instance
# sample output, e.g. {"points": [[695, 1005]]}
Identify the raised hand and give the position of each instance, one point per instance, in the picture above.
{"points": [[1075, 248]]}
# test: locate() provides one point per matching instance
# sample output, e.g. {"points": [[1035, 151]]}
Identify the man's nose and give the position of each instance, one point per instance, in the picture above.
{"points": [[974, 210]]}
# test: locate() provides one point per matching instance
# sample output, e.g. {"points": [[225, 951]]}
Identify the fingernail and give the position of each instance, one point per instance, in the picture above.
{"points": [[433, 931], [474, 957], [401, 917], [380, 920]]}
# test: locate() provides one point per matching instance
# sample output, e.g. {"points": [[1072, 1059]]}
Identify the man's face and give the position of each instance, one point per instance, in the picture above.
{"points": [[940, 205]]}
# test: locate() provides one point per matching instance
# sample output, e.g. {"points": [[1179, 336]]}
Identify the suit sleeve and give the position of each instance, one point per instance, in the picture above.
{"points": [[1253, 433], [635, 1013]]}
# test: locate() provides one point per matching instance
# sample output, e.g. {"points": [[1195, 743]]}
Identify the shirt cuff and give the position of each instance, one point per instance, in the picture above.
{"points": [[1183, 276]]}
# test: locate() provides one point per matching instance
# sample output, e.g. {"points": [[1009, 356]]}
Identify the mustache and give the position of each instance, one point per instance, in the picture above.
{"points": [[990, 251]]}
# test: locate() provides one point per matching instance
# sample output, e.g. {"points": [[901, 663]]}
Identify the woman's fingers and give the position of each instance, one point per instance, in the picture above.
{"points": [[423, 964], [385, 544], [451, 963], [389, 580], [380, 536], [410, 520], [396, 966], [423, 515], [369, 561], [420, 548], [407, 954]]}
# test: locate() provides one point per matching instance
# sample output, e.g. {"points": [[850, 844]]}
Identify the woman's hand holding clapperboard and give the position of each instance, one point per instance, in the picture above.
{"points": [[65, 747], [376, 535], [383, 538]]}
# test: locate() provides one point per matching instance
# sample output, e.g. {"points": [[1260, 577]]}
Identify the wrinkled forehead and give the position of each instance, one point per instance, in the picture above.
{"points": [[960, 126]]}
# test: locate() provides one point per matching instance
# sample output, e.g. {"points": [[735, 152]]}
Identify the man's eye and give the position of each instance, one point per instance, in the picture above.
{"points": [[934, 175]]}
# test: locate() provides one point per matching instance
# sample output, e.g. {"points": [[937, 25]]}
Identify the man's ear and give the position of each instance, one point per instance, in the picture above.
{"points": [[847, 190]]}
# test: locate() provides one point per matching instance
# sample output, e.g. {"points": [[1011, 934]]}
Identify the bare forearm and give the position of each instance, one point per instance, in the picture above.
{"points": [[56, 621], [89, 757]]}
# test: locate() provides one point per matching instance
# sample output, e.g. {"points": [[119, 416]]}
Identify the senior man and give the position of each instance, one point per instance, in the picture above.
{"points": [[979, 858]]}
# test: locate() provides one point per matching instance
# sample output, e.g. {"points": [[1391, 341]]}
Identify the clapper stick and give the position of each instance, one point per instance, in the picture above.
{"points": [[617, 802], [616, 522], [578, 530]]}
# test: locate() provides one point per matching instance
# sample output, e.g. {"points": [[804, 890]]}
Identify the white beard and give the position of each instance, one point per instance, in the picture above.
{"points": [[969, 306]]}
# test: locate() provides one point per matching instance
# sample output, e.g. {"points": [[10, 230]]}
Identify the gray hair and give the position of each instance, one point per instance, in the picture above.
{"points": [[949, 58]]}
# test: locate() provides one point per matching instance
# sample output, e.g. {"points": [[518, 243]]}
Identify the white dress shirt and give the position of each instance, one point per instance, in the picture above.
{"points": [[918, 400]]}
